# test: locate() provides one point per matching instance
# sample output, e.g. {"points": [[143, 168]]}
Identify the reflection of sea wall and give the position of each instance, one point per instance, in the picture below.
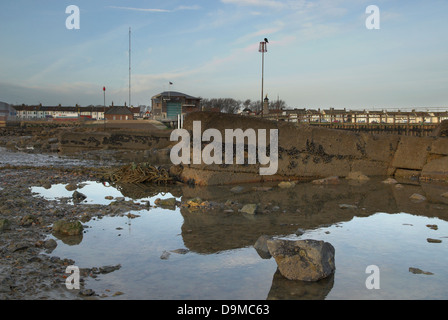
{"points": [[307, 151], [304, 206]]}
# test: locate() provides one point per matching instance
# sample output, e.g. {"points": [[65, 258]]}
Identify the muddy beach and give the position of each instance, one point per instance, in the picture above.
{"points": [[181, 241]]}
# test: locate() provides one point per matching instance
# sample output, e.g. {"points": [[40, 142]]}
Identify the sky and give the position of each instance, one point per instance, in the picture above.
{"points": [[320, 52]]}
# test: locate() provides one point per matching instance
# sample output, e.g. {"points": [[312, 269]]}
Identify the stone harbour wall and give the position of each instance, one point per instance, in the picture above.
{"points": [[307, 152]]}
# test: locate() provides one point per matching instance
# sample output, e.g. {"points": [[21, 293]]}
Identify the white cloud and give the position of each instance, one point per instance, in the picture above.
{"points": [[258, 3], [140, 9]]}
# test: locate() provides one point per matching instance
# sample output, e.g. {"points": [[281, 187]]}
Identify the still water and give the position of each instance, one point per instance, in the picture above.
{"points": [[210, 254]]}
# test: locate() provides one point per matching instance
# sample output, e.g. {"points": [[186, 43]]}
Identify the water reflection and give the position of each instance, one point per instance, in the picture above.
{"points": [[212, 255]]}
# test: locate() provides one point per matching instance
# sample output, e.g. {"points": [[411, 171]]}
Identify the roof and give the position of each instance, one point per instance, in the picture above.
{"points": [[119, 110], [174, 94]]}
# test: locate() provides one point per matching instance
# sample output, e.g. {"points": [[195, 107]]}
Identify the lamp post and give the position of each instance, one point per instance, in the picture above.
{"points": [[104, 107], [262, 48]]}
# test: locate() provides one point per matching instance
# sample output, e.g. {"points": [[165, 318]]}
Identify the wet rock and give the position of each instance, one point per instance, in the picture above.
{"points": [[430, 240], [109, 269], [432, 226], [180, 251], [261, 246], [69, 228], [250, 208], [5, 224], [328, 180], [78, 196], [86, 292], [419, 271], [390, 181], [358, 176], [299, 232], [347, 206], [286, 184], [71, 187], [237, 189], [170, 202], [306, 260], [417, 197], [165, 255], [50, 244]]}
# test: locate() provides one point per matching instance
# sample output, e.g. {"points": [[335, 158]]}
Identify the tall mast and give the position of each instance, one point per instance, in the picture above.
{"points": [[129, 67]]}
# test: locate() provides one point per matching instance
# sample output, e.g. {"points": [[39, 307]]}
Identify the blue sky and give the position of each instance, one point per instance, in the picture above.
{"points": [[320, 53]]}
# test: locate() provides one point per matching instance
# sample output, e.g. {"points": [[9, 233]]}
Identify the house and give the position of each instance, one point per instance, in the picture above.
{"points": [[170, 104], [7, 112], [119, 113]]}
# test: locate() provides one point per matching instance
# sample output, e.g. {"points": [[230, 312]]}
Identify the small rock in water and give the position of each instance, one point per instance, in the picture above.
{"points": [[328, 180], [419, 271], [430, 240], [417, 197], [390, 181], [78, 196], [180, 251], [261, 247], [432, 226], [358, 176], [249, 208], [306, 260], [347, 206], [286, 184], [237, 189], [165, 255]]}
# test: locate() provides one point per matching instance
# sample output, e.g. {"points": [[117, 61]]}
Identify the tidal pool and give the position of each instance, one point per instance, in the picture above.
{"points": [[193, 254]]}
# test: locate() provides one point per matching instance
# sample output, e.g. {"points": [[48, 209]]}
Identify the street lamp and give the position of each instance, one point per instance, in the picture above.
{"points": [[262, 48]]}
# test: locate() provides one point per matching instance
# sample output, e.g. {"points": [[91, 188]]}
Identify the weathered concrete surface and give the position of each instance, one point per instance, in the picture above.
{"points": [[307, 152]]}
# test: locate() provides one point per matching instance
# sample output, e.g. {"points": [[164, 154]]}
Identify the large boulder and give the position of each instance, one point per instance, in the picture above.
{"points": [[306, 260]]}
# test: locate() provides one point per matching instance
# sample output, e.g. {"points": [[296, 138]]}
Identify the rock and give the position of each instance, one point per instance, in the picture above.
{"points": [[430, 240], [417, 198], [390, 181], [237, 189], [108, 197], [71, 187], [69, 228], [306, 260], [109, 269], [180, 251], [299, 232], [86, 292], [250, 208], [399, 186], [347, 206], [170, 202], [261, 247], [419, 271], [195, 202], [5, 224], [78, 196], [445, 195], [286, 184], [50, 244], [165, 255], [358, 176], [328, 180], [432, 226]]}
